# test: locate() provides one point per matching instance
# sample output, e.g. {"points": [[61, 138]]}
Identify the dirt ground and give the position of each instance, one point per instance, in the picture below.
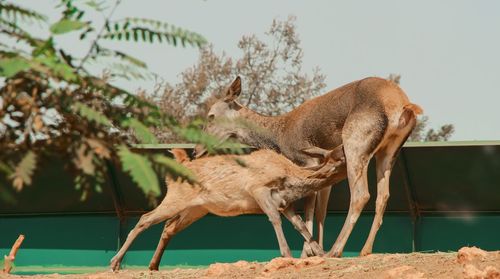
{"points": [[469, 262]]}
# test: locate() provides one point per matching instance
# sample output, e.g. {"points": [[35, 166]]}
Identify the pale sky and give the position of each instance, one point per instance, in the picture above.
{"points": [[446, 51]]}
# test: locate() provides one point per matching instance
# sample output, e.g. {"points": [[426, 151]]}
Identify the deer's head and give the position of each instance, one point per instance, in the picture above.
{"points": [[222, 117]]}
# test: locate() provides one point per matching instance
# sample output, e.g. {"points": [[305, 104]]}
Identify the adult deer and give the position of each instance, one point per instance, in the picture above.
{"points": [[370, 117]]}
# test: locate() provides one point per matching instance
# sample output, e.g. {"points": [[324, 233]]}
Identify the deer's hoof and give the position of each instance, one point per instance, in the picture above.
{"points": [[334, 254], [308, 250], [316, 249], [153, 267], [365, 252], [114, 264]]}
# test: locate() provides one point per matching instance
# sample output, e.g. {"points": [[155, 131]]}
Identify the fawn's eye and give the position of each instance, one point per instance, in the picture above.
{"points": [[211, 117]]}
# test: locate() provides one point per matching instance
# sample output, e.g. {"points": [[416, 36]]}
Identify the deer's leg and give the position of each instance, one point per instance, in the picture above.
{"points": [[300, 226], [385, 161], [157, 215], [362, 133], [266, 203], [172, 227], [359, 198], [309, 205], [384, 166], [321, 209]]}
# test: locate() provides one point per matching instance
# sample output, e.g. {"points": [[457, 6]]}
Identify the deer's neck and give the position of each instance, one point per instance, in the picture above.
{"points": [[262, 132]]}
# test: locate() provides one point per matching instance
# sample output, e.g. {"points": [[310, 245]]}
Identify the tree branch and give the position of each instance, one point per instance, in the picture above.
{"points": [[99, 35]]}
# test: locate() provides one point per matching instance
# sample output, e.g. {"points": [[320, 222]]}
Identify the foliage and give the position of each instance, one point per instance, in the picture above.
{"points": [[52, 105], [148, 30], [140, 169], [23, 172], [274, 81], [420, 132]]}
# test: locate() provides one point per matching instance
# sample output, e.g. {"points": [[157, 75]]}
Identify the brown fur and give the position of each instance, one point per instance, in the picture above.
{"points": [[370, 117], [269, 183], [410, 111], [180, 155]]}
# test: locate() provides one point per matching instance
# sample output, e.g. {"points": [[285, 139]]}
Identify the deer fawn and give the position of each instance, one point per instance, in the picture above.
{"points": [[371, 117], [231, 185]]}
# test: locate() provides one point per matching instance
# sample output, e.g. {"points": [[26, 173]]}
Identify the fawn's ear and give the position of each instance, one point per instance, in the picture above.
{"points": [[234, 90], [180, 155], [316, 152], [335, 155]]}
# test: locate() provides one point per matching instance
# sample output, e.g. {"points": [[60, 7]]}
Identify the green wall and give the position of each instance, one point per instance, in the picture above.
{"points": [[83, 240], [443, 196]]}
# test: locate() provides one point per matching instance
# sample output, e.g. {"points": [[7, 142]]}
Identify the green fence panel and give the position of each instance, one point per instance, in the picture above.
{"points": [[443, 196]]}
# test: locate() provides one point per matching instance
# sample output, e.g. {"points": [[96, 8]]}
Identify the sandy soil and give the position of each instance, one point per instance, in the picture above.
{"points": [[467, 263]]}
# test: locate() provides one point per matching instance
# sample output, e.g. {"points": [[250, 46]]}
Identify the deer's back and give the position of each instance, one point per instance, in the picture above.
{"points": [[228, 181], [319, 121]]}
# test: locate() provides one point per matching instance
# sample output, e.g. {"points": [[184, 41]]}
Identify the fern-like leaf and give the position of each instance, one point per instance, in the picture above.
{"points": [[18, 33], [141, 171], [141, 132], [148, 30], [175, 169], [24, 171], [11, 66], [91, 114], [5, 168], [15, 12]]}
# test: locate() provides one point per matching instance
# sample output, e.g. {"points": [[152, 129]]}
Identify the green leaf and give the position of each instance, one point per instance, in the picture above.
{"points": [[98, 6], [91, 114], [174, 168], [5, 168], [23, 171], [46, 47], [136, 35], [13, 65], [66, 25], [57, 66], [17, 12], [142, 133], [140, 169], [6, 197]]}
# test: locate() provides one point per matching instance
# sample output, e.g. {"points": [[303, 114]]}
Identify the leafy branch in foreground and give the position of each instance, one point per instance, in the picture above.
{"points": [[148, 30], [52, 105]]}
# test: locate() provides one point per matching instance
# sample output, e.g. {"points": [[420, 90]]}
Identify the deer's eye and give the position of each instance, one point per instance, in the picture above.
{"points": [[211, 117]]}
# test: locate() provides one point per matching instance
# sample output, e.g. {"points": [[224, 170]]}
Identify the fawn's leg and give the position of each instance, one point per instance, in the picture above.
{"points": [[300, 226], [263, 197], [172, 227], [321, 210], [161, 213], [309, 205]]}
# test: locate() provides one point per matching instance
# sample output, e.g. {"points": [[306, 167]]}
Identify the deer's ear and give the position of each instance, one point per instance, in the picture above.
{"points": [[234, 90]]}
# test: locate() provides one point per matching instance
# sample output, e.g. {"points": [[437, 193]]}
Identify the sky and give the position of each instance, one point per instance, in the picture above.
{"points": [[447, 51]]}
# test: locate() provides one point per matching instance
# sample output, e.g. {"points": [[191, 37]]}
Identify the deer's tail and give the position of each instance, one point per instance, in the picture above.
{"points": [[409, 114]]}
